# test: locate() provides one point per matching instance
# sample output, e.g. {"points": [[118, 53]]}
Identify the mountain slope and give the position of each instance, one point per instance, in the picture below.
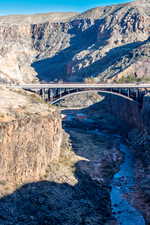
{"points": [[100, 44]]}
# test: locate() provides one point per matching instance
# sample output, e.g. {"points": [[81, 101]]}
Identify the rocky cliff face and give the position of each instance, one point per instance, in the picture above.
{"points": [[124, 109], [141, 146], [100, 43], [146, 112], [21, 42], [30, 137], [16, 54]]}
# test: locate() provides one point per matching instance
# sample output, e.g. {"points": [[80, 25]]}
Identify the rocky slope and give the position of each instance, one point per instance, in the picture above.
{"points": [[17, 51], [30, 137], [99, 44]]}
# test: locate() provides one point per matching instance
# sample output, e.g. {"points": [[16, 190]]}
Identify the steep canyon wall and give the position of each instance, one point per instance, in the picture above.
{"points": [[30, 138]]}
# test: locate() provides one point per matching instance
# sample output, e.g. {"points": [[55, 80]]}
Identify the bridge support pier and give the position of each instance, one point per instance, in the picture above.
{"points": [[42, 93], [67, 90], [60, 92], [50, 94], [145, 91], [137, 94], [128, 92], [119, 91]]}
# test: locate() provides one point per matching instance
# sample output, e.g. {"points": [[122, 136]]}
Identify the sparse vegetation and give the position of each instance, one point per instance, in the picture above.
{"points": [[132, 79], [89, 80], [2, 115], [36, 99], [2, 182]]}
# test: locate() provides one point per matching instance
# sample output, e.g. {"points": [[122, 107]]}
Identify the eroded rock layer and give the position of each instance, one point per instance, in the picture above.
{"points": [[30, 137], [99, 44]]}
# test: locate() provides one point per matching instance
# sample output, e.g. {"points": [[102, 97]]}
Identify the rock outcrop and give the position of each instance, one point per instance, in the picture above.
{"points": [[102, 43], [30, 137], [125, 109]]}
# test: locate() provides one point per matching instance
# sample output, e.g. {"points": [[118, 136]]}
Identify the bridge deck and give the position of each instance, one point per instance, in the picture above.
{"points": [[79, 85]]}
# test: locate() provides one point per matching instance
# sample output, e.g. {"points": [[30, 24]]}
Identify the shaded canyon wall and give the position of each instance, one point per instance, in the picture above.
{"points": [[28, 145]]}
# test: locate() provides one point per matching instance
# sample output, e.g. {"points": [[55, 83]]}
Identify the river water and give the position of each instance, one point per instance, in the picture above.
{"points": [[123, 181], [122, 184]]}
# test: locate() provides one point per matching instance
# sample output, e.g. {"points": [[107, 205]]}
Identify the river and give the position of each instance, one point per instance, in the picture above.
{"points": [[122, 184], [123, 181]]}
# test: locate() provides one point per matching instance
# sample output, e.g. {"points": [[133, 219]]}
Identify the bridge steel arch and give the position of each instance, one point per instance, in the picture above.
{"points": [[62, 97]]}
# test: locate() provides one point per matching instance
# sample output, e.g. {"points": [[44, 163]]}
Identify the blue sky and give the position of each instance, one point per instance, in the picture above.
{"points": [[37, 6]]}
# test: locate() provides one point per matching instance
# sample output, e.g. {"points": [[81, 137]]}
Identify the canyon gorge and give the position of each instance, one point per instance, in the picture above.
{"points": [[57, 172], [84, 160]]}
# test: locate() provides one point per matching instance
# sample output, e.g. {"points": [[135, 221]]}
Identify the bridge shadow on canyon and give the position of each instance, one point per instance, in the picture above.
{"points": [[52, 203]]}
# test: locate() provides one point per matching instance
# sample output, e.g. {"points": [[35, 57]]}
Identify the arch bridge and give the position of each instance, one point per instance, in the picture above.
{"points": [[53, 92]]}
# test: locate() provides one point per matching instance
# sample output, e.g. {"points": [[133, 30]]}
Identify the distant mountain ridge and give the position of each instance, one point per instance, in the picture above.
{"points": [[37, 18], [101, 44]]}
